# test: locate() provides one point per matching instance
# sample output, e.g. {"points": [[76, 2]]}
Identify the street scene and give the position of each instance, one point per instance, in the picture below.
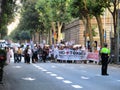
{"points": [[59, 44], [59, 76]]}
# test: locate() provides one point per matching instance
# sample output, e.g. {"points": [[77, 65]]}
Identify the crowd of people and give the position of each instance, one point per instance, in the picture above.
{"points": [[41, 53]]}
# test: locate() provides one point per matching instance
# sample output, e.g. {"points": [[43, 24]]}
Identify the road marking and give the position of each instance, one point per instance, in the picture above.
{"points": [[77, 86], [48, 72], [53, 74], [40, 68], [60, 78], [53, 66], [28, 78], [83, 77], [67, 81], [118, 80], [36, 66], [17, 67], [44, 70]]}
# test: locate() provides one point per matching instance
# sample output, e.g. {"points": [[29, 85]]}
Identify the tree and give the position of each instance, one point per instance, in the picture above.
{"points": [[79, 9], [85, 10], [29, 18], [113, 7], [96, 8], [56, 14], [25, 35], [7, 10]]}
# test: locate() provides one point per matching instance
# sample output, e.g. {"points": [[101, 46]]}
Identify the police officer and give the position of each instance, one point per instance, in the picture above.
{"points": [[105, 52]]}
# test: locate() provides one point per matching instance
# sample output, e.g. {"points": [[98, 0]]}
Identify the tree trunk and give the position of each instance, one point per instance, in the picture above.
{"points": [[101, 30], [0, 15], [90, 31], [116, 51], [59, 25], [54, 31], [85, 32]]}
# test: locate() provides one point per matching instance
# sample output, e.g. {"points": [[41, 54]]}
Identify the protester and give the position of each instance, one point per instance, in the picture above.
{"points": [[9, 55], [15, 54], [27, 54], [44, 54], [35, 55], [19, 54]]}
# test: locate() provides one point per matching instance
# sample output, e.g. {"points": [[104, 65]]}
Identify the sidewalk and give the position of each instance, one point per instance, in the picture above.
{"points": [[5, 85], [115, 65]]}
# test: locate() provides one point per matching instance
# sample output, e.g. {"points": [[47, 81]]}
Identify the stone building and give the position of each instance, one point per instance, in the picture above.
{"points": [[74, 31]]}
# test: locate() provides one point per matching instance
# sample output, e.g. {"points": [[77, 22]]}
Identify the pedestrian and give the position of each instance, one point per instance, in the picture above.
{"points": [[35, 55], [44, 54], [19, 54], [27, 54], [15, 54], [9, 55], [104, 52]]}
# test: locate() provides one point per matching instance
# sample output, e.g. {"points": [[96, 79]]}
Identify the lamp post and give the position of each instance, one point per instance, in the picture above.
{"points": [[104, 26]]}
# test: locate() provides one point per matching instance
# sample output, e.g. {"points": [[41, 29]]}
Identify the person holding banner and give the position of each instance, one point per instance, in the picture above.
{"points": [[105, 52]]}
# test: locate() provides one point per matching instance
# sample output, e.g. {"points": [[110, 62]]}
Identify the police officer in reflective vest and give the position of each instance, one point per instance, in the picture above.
{"points": [[105, 52]]}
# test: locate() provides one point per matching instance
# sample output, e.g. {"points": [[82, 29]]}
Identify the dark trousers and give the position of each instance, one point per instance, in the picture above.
{"points": [[19, 57], [34, 58], [44, 58], [15, 57], [104, 58], [2, 62], [28, 58]]}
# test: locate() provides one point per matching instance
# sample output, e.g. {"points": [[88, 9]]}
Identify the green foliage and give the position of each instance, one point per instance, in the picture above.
{"points": [[25, 35], [57, 11], [96, 7], [7, 15], [29, 22]]}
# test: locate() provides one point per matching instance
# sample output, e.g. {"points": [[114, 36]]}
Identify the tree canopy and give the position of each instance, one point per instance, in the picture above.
{"points": [[7, 9]]}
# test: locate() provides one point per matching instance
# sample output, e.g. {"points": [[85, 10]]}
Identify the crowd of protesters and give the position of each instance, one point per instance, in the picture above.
{"points": [[39, 53]]}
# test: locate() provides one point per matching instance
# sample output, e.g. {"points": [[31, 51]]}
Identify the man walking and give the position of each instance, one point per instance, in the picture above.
{"points": [[105, 52]]}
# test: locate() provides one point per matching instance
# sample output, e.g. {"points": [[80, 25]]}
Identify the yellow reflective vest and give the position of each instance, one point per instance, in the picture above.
{"points": [[105, 50]]}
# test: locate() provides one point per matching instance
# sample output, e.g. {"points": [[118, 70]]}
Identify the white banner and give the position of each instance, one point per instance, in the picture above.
{"points": [[77, 55]]}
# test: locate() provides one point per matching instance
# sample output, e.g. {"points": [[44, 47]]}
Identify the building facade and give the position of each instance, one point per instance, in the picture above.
{"points": [[74, 31]]}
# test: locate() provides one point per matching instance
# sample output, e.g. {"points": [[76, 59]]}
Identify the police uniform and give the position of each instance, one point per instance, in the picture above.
{"points": [[105, 52]]}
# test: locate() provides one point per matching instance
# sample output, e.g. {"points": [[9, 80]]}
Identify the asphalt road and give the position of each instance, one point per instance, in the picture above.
{"points": [[59, 76]]}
